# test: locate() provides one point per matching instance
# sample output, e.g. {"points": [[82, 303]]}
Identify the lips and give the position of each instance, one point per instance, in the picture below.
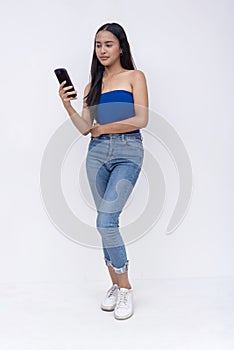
{"points": [[104, 58]]}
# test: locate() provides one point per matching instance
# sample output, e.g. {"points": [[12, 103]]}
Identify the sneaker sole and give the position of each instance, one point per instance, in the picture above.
{"points": [[123, 317], [107, 308]]}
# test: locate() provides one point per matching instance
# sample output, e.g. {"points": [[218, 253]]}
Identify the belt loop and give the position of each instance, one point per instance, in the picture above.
{"points": [[122, 137]]}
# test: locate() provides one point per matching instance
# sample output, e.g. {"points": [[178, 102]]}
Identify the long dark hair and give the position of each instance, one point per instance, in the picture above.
{"points": [[97, 68]]}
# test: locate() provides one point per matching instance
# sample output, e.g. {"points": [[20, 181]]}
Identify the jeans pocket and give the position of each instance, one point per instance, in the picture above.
{"points": [[134, 142]]}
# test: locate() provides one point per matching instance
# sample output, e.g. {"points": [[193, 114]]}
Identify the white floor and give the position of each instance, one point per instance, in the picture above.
{"points": [[171, 314]]}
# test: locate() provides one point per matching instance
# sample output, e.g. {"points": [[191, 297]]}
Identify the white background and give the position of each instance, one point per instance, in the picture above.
{"points": [[185, 49]]}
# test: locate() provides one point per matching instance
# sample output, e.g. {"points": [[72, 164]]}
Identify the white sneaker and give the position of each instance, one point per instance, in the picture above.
{"points": [[124, 304], [110, 299]]}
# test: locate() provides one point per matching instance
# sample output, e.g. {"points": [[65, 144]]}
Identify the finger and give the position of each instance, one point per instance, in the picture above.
{"points": [[61, 85], [72, 92], [69, 99], [72, 98], [63, 93], [68, 87]]}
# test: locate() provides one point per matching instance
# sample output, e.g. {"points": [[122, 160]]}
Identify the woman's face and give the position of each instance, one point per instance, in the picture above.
{"points": [[107, 48]]}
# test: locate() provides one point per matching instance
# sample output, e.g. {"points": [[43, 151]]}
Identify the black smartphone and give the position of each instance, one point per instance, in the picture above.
{"points": [[62, 74]]}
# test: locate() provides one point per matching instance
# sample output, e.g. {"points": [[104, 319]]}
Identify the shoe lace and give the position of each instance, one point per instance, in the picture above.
{"points": [[122, 299], [111, 291]]}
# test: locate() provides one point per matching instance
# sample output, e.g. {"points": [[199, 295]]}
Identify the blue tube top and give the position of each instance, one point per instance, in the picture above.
{"points": [[114, 106]]}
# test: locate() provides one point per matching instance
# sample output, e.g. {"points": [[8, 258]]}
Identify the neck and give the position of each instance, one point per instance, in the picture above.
{"points": [[112, 70]]}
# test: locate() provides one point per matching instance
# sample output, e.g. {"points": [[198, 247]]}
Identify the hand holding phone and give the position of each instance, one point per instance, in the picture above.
{"points": [[66, 90]]}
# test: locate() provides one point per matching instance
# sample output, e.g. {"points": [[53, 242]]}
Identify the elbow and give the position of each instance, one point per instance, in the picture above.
{"points": [[142, 119], [86, 130], [144, 122], [84, 133]]}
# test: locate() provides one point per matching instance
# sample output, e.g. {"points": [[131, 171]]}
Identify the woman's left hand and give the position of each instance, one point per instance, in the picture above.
{"points": [[96, 130]]}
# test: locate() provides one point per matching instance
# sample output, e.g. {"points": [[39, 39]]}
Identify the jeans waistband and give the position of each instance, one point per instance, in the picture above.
{"points": [[123, 136]]}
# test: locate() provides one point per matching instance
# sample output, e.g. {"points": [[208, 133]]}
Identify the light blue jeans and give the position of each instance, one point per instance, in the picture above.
{"points": [[113, 164]]}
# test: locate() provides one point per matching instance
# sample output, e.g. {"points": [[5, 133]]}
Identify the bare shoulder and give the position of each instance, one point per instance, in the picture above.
{"points": [[137, 74], [138, 79], [139, 88]]}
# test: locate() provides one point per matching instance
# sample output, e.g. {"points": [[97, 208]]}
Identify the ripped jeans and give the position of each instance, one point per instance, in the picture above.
{"points": [[113, 165]]}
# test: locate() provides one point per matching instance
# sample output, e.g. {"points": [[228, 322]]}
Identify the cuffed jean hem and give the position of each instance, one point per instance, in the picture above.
{"points": [[118, 270]]}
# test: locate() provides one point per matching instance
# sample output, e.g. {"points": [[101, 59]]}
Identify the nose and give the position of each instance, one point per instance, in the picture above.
{"points": [[103, 50]]}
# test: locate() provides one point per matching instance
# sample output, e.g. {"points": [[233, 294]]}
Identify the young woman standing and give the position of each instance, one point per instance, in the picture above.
{"points": [[117, 99]]}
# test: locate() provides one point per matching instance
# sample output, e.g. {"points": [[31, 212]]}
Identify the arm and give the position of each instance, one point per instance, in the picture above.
{"points": [[140, 120], [83, 123]]}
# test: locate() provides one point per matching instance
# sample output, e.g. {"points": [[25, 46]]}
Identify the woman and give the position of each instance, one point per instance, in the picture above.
{"points": [[117, 99]]}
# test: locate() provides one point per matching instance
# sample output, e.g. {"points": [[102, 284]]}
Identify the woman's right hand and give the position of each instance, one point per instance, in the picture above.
{"points": [[65, 95]]}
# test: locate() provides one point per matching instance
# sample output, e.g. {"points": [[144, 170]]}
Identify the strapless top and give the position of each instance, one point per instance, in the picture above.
{"points": [[114, 106]]}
